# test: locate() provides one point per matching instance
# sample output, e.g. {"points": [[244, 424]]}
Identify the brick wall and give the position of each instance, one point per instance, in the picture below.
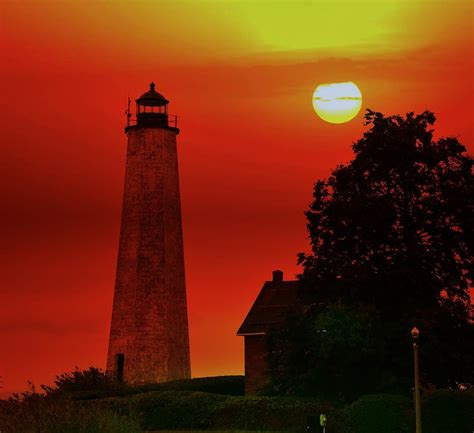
{"points": [[255, 363]]}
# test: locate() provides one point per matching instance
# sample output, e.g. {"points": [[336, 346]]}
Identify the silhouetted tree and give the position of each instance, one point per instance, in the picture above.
{"points": [[391, 232], [395, 226]]}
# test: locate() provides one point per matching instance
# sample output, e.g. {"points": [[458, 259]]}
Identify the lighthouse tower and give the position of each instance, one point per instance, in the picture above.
{"points": [[149, 339]]}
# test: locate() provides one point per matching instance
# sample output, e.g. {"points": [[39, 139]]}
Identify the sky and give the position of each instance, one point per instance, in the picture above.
{"points": [[240, 75]]}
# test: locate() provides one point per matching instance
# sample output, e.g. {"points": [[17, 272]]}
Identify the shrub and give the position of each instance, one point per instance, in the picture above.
{"points": [[93, 380], [377, 413], [448, 411]]}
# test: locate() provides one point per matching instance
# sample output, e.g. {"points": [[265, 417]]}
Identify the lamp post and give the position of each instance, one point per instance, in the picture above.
{"points": [[415, 333]]}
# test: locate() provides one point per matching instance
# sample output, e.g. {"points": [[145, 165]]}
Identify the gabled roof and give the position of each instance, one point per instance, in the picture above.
{"points": [[273, 301]]}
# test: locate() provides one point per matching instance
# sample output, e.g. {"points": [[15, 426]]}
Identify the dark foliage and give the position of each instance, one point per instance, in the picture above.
{"points": [[392, 237], [378, 413], [79, 385], [443, 411], [448, 411], [395, 227], [73, 404], [32, 412], [84, 381], [336, 354], [197, 410]]}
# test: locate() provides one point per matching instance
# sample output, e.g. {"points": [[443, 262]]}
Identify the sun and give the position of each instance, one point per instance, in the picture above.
{"points": [[337, 102]]}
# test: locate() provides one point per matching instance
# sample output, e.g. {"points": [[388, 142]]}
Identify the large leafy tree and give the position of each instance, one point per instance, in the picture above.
{"points": [[395, 226], [391, 232]]}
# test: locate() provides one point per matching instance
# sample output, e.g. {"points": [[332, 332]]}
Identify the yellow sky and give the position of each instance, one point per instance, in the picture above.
{"points": [[197, 31]]}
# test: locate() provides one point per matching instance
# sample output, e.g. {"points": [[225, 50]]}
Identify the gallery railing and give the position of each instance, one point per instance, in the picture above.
{"points": [[148, 119]]}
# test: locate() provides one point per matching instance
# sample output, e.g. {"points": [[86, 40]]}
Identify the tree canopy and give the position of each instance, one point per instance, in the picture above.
{"points": [[395, 226], [391, 232]]}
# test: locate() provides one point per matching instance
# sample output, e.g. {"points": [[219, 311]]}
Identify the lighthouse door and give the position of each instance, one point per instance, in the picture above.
{"points": [[119, 367]]}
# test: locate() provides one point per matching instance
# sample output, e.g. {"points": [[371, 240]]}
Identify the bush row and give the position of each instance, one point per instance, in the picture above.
{"points": [[445, 411], [198, 410]]}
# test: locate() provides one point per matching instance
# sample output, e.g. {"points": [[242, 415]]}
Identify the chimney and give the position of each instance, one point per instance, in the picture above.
{"points": [[277, 276]]}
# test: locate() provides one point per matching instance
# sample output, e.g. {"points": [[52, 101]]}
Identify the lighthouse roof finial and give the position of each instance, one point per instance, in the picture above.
{"points": [[152, 98]]}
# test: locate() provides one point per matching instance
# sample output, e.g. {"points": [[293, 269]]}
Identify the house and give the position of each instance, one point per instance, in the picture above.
{"points": [[275, 298]]}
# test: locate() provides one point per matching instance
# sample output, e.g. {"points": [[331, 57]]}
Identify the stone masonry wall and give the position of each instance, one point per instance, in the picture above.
{"points": [[149, 319]]}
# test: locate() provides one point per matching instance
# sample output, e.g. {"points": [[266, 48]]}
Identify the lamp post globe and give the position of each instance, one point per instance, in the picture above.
{"points": [[415, 333]]}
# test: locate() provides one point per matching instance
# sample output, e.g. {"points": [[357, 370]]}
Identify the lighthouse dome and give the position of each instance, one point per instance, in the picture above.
{"points": [[152, 98]]}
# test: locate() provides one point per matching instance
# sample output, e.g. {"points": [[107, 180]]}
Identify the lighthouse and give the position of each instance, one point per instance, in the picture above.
{"points": [[149, 339]]}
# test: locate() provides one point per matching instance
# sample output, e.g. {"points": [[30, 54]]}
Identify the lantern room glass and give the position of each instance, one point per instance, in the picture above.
{"points": [[161, 109]]}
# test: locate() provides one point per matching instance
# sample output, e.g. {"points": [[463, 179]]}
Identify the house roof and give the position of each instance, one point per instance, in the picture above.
{"points": [[275, 298]]}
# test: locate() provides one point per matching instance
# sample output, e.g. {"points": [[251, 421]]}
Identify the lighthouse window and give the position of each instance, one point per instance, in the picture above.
{"points": [[119, 367]]}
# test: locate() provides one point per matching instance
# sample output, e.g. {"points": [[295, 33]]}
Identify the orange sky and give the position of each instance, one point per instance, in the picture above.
{"points": [[241, 76]]}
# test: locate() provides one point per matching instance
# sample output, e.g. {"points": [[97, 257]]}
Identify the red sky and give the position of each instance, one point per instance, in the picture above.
{"points": [[240, 75]]}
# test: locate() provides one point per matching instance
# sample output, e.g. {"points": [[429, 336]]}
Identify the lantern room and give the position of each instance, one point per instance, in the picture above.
{"points": [[152, 109], [151, 112]]}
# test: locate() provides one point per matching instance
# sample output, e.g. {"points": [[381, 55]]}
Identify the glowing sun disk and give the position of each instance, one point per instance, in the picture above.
{"points": [[337, 102]]}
